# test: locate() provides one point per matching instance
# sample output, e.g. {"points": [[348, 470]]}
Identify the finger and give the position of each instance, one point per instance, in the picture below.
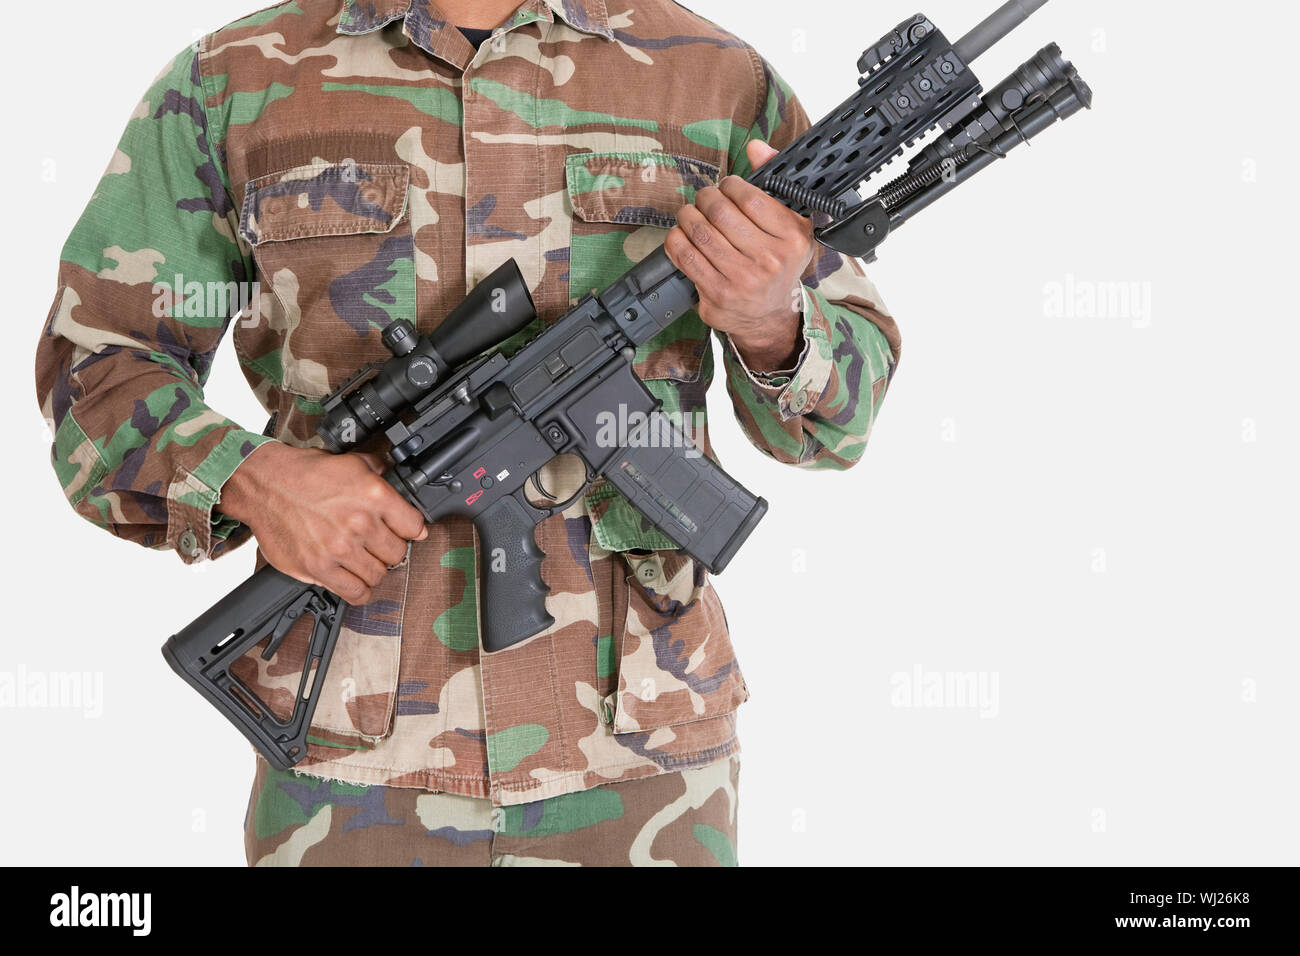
{"points": [[766, 213], [347, 586], [386, 502], [403, 520], [712, 244], [732, 221], [690, 261], [758, 152], [366, 566], [387, 547]]}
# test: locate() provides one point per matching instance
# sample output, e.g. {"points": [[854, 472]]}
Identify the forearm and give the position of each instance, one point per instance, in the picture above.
{"points": [[136, 449], [249, 487], [819, 413], [123, 357], [775, 346]]}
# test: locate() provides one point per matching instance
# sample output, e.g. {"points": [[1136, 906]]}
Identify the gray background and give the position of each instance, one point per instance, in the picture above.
{"points": [[1089, 510]]}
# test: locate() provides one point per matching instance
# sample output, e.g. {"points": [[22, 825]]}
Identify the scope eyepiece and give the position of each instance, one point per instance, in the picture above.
{"points": [[498, 307]]}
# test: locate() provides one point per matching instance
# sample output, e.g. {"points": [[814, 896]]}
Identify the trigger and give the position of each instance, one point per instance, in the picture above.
{"points": [[536, 479]]}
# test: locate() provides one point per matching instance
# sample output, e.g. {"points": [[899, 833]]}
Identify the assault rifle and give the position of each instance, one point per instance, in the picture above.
{"points": [[467, 433]]}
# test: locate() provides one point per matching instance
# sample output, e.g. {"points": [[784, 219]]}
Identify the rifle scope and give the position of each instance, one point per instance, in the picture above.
{"points": [[368, 403]]}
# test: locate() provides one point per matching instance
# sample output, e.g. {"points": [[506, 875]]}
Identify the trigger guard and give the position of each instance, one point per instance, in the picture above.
{"points": [[560, 506], [522, 498], [551, 510]]}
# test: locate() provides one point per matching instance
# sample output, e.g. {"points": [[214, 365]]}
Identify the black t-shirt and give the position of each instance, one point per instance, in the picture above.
{"points": [[476, 37]]}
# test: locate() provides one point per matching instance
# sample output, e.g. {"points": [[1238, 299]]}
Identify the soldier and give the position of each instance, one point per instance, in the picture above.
{"points": [[352, 162]]}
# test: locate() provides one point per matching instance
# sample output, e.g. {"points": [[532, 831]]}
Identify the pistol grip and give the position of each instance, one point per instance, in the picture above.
{"points": [[512, 605]]}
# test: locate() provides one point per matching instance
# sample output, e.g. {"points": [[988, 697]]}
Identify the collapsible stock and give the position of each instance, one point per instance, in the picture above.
{"points": [[262, 609]]}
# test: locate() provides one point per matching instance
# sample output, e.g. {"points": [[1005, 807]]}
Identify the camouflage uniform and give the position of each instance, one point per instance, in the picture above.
{"points": [[673, 819], [363, 162]]}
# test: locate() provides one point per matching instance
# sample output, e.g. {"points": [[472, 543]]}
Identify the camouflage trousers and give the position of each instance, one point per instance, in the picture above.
{"points": [[675, 819]]}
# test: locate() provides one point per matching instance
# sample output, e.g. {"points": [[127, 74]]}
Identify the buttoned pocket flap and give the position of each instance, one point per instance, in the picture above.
{"points": [[635, 189], [324, 199], [676, 662]]}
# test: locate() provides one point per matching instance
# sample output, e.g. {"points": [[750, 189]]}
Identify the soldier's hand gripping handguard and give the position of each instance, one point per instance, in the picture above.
{"points": [[467, 433]]}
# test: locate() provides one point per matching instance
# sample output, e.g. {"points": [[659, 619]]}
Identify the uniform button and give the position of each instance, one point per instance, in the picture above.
{"points": [[649, 570], [798, 401], [607, 709], [189, 543]]}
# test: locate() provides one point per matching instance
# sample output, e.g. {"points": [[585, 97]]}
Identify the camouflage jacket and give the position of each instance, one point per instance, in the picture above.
{"points": [[360, 161]]}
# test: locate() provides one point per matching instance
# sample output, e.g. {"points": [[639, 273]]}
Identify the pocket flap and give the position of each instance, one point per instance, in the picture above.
{"points": [[637, 189], [676, 662], [324, 199]]}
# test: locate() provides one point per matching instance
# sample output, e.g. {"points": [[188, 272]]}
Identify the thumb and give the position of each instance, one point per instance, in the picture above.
{"points": [[758, 152]]}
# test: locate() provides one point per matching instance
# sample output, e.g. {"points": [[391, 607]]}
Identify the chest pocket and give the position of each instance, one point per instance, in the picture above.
{"points": [[334, 243], [623, 205]]}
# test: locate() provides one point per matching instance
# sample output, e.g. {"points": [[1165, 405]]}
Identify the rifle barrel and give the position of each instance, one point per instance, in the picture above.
{"points": [[1001, 22]]}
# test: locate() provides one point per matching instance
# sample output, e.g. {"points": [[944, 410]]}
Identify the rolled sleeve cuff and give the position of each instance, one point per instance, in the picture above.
{"points": [[193, 530], [796, 391]]}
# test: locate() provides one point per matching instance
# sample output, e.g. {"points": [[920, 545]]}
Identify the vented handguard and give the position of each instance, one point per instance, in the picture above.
{"points": [[913, 81]]}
